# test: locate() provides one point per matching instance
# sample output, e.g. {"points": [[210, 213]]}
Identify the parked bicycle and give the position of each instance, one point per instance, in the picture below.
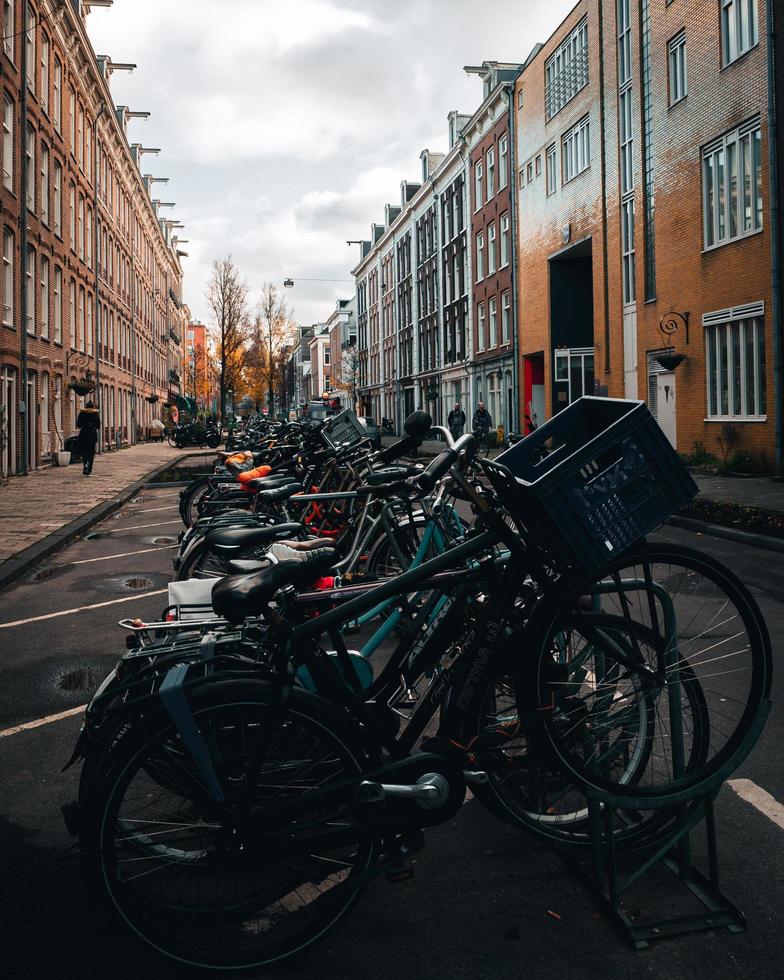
{"points": [[195, 433]]}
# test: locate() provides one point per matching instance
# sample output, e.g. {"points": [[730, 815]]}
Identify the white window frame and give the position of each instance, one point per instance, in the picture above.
{"points": [[506, 317], [8, 277], [722, 353], [503, 161], [739, 29], [623, 15], [491, 248], [480, 327], [480, 256], [43, 311], [8, 142], [58, 304], [57, 94], [628, 257], [551, 169], [566, 354], [626, 134], [490, 161], [30, 151], [504, 246], [677, 67], [72, 314], [45, 51], [58, 199], [29, 31], [566, 70], [492, 322], [478, 185], [30, 288], [576, 150], [44, 183], [9, 27], [744, 146]]}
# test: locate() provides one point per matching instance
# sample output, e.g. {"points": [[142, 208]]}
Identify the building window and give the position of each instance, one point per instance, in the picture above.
{"points": [[72, 220], [491, 236], [573, 374], [739, 30], [625, 126], [89, 344], [57, 94], [30, 153], [43, 311], [628, 259], [480, 327], [80, 137], [45, 183], [8, 144], [45, 72], [529, 171], [492, 316], [504, 239], [480, 256], [72, 117], [735, 362], [538, 166], [81, 338], [58, 304], [503, 162], [551, 169], [8, 277], [30, 290], [88, 244], [566, 70], [58, 199], [576, 151], [478, 185], [732, 185], [72, 313], [506, 317], [676, 50], [81, 227], [9, 28], [490, 173], [30, 42], [624, 43]]}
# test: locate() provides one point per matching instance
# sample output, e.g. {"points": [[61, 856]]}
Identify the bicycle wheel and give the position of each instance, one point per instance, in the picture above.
{"points": [[689, 626], [203, 883], [191, 497], [524, 790]]}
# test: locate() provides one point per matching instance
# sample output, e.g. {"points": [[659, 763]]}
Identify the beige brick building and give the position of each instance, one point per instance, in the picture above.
{"points": [[91, 276]]}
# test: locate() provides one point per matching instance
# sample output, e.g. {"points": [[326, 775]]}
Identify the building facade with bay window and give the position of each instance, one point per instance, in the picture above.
{"points": [[91, 278], [644, 247]]}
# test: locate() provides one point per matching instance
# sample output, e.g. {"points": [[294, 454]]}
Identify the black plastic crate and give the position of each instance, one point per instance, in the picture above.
{"points": [[609, 477], [344, 430]]}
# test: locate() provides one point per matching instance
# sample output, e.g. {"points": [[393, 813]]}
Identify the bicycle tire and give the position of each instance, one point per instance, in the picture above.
{"points": [[719, 621], [198, 900]]}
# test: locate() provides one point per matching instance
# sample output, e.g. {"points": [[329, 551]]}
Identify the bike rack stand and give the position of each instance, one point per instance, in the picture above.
{"points": [[610, 879]]}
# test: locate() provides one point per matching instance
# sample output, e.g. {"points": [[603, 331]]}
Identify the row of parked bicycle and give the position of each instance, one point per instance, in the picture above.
{"points": [[354, 639]]}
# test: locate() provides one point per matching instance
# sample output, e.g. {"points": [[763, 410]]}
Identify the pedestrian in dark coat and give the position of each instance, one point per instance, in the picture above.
{"points": [[88, 423], [456, 421]]}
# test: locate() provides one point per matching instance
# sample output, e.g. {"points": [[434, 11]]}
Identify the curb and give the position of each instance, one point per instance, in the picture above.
{"points": [[728, 533], [13, 568]]}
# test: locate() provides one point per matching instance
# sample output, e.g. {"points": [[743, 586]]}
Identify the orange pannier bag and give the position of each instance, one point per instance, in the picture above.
{"points": [[253, 474]]}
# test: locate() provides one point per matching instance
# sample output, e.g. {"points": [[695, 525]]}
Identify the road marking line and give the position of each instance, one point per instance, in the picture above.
{"points": [[150, 510], [136, 527], [760, 799], [124, 554], [42, 721], [76, 609]]}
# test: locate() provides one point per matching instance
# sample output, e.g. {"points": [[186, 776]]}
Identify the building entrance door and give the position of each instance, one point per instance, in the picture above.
{"points": [[8, 402], [665, 403], [31, 422]]}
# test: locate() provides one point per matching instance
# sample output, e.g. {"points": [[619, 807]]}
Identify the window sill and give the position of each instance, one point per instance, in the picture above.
{"points": [[678, 102], [733, 241], [578, 174], [737, 418], [740, 56]]}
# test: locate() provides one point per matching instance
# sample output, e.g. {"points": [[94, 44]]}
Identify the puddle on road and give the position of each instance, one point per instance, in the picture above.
{"points": [[163, 540], [79, 679], [96, 535], [50, 571]]}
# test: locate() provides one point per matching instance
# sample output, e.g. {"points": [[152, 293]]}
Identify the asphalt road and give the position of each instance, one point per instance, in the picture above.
{"points": [[482, 901]]}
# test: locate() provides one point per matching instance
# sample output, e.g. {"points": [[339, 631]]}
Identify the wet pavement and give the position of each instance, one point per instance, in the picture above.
{"points": [[486, 901]]}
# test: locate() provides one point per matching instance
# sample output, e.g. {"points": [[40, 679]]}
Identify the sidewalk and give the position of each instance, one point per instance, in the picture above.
{"points": [[753, 491], [38, 511]]}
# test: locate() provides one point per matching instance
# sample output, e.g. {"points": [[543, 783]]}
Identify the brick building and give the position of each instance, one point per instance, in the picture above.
{"points": [[199, 371], [644, 217], [91, 277]]}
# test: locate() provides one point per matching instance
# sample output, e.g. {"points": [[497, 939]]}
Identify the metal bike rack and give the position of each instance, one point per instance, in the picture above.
{"points": [[611, 878]]}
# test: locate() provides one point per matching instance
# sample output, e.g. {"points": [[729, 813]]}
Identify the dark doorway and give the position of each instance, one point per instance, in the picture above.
{"points": [[571, 324]]}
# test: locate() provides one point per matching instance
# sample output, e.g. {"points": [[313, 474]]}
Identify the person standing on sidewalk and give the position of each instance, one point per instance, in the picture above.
{"points": [[88, 423], [456, 420], [481, 425]]}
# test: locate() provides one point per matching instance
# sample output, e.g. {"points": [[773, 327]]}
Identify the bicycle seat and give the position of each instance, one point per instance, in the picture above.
{"points": [[390, 474], [236, 597], [232, 541], [279, 494], [273, 483]]}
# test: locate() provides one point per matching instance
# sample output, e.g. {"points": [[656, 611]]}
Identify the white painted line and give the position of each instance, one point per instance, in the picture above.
{"points": [[123, 554], [136, 527], [77, 609], [760, 799], [149, 510], [42, 721]]}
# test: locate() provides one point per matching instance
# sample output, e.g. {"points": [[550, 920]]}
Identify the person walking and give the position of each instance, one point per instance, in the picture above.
{"points": [[88, 423], [456, 420], [481, 424]]}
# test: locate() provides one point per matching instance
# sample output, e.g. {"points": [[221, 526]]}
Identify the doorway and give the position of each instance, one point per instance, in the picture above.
{"points": [[31, 421], [8, 402], [571, 319], [533, 392]]}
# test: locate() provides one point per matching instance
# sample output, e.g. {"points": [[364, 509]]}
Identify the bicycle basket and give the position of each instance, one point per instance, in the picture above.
{"points": [[607, 478], [343, 431]]}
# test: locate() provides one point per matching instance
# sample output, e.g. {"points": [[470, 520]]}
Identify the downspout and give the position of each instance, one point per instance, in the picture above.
{"points": [[775, 242], [512, 174], [23, 246], [97, 324]]}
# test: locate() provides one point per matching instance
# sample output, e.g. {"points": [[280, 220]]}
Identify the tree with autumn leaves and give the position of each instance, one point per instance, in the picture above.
{"points": [[250, 350]]}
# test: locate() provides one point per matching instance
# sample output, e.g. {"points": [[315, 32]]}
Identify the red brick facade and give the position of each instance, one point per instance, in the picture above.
{"points": [[104, 289]]}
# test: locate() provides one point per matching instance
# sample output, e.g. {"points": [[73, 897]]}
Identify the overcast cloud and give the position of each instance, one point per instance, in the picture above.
{"points": [[286, 125]]}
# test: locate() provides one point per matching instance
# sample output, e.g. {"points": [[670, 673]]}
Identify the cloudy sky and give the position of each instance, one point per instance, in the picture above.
{"points": [[286, 125]]}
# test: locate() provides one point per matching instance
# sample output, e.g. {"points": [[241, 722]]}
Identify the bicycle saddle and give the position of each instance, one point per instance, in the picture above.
{"points": [[273, 483], [232, 541], [279, 494], [236, 597]]}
